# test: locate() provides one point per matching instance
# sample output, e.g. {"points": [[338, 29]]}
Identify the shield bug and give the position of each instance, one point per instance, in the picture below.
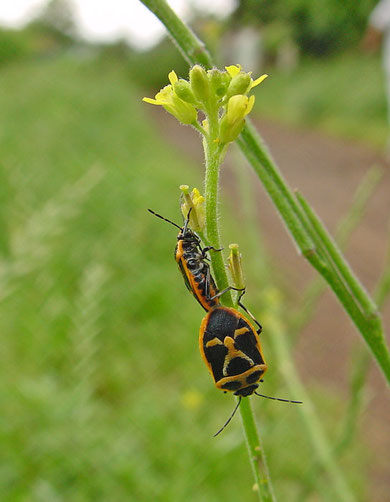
{"points": [[230, 347]]}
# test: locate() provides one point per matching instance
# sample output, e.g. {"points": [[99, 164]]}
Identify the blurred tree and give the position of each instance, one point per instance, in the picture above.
{"points": [[58, 14], [54, 29], [319, 28]]}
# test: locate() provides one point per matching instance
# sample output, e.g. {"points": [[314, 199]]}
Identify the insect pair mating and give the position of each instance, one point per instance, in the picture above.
{"points": [[229, 343]]}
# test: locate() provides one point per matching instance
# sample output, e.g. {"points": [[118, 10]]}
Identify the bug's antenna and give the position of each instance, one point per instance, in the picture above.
{"points": [[279, 399], [187, 221], [165, 219], [228, 420]]}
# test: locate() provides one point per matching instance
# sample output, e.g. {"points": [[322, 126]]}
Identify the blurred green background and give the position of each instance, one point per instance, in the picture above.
{"points": [[104, 395]]}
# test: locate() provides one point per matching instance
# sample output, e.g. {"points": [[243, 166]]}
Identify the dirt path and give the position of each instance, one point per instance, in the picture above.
{"points": [[327, 171]]}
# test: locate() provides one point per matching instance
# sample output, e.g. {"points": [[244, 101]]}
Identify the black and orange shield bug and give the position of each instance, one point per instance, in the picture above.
{"points": [[230, 347]]}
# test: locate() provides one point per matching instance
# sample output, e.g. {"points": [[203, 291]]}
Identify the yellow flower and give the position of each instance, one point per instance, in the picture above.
{"points": [[239, 106], [235, 70], [233, 121], [167, 98]]}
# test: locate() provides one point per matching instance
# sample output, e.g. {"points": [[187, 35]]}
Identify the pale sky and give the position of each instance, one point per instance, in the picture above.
{"points": [[110, 19]]}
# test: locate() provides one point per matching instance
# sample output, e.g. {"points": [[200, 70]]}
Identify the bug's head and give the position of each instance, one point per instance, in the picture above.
{"points": [[186, 234], [246, 391]]}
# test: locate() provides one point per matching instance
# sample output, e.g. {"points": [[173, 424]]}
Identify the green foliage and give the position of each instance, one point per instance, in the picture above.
{"points": [[35, 40], [13, 46]]}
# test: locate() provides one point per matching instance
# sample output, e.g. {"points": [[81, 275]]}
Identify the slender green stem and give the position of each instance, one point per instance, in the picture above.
{"points": [[213, 161], [192, 49], [361, 197], [256, 454], [194, 52], [367, 304], [360, 368], [383, 288], [348, 223], [361, 361], [261, 161], [369, 322], [322, 449], [213, 157]]}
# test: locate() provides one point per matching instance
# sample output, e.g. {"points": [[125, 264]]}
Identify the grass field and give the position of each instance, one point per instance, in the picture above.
{"points": [[104, 396]]}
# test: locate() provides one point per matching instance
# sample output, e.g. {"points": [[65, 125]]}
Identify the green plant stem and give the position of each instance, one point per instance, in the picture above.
{"points": [[213, 157], [350, 423], [256, 454], [302, 233], [368, 322], [361, 361], [213, 162], [192, 49], [383, 288], [264, 166], [343, 231], [322, 450], [366, 303]]}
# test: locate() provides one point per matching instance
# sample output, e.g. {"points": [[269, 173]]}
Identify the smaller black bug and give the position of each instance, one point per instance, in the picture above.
{"points": [[192, 261]]}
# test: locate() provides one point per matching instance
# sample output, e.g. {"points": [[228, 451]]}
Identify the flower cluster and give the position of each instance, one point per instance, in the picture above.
{"points": [[222, 93]]}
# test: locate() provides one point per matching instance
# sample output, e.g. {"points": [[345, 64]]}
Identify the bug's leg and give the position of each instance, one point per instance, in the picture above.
{"points": [[229, 288], [207, 284], [252, 316], [248, 312], [207, 249]]}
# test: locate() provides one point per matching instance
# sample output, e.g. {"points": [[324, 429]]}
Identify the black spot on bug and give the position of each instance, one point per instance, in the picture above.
{"points": [[231, 385], [254, 377], [237, 366], [215, 355], [247, 344]]}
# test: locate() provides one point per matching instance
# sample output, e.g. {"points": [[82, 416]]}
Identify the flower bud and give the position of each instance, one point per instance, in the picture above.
{"points": [[199, 83], [219, 82], [235, 266], [183, 90], [184, 112], [233, 121], [195, 202], [240, 84]]}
